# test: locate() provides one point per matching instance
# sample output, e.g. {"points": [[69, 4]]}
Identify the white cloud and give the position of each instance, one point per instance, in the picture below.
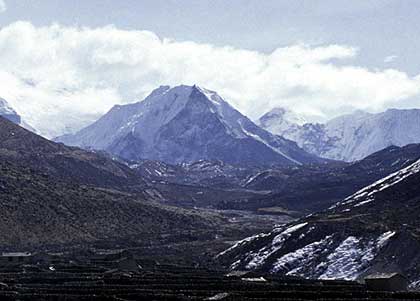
{"points": [[3, 6], [61, 78], [390, 58]]}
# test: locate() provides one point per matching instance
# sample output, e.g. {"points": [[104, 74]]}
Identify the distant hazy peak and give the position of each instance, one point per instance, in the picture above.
{"points": [[8, 112], [5, 107], [283, 115]]}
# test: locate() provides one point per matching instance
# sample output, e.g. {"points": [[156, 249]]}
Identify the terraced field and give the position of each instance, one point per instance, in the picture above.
{"points": [[168, 282]]}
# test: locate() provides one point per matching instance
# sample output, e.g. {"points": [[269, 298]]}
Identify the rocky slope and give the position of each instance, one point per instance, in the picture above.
{"points": [[37, 211], [187, 124], [374, 230], [349, 137]]}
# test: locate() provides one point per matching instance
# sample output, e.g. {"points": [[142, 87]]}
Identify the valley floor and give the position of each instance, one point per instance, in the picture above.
{"points": [[200, 248]]}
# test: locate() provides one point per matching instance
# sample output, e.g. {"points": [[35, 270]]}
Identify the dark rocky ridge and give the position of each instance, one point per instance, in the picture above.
{"points": [[376, 229]]}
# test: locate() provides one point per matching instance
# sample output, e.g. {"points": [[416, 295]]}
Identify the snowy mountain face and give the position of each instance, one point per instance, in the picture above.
{"points": [[312, 137], [7, 112], [354, 136], [374, 230], [186, 124]]}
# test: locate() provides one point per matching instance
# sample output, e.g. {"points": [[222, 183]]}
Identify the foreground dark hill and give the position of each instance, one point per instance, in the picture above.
{"points": [[187, 124], [53, 195], [375, 229]]}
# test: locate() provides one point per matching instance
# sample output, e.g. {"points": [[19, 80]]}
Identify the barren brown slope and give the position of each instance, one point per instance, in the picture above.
{"points": [[48, 198]]}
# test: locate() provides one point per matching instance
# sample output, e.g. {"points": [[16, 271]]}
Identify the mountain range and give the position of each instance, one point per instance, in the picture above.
{"points": [[349, 137], [191, 143], [179, 166], [187, 124]]}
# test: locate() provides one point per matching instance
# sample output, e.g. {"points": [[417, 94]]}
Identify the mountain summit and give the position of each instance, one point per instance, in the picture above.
{"points": [[186, 124]]}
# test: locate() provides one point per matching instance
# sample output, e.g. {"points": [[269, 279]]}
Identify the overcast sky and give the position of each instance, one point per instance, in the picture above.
{"points": [[322, 58]]}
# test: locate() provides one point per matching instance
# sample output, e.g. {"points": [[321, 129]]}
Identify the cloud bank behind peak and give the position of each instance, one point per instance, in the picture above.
{"points": [[61, 78]]}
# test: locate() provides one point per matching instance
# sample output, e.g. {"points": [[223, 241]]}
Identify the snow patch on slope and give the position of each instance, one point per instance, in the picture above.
{"points": [[298, 259], [367, 194], [258, 258], [352, 257], [347, 260], [243, 242]]}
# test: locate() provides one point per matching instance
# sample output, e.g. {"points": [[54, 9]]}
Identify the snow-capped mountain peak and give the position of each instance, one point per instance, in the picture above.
{"points": [[186, 124]]}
